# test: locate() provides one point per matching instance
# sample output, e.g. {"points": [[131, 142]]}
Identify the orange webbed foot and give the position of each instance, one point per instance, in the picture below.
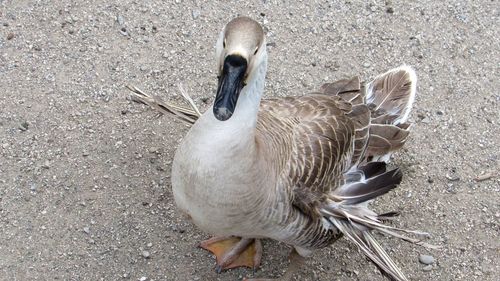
{"points": [[232, 252]]}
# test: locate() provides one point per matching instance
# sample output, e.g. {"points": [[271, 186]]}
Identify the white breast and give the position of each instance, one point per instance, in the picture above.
{"points": [[213, 179]]}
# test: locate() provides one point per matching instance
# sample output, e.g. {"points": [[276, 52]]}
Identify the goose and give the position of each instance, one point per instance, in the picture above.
{"points": [[299, 169]]}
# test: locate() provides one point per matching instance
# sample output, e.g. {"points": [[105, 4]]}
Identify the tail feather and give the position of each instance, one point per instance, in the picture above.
{"points": [[348, 212], [365, 190], [385, 139], [393, 92], [357, 223], [372, 169], [371, 248], [390, 98], [340, 87], [379, 111]]}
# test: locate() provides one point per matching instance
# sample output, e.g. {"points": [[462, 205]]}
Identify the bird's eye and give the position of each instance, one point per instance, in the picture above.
{"points": [[256, 50], [224, 43]]}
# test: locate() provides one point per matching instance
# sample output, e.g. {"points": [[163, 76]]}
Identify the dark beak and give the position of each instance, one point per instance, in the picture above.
{"points": [[231, 81]]}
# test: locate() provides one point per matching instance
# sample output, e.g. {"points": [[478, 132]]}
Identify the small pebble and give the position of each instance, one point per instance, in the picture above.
{"points": [[10, 36], [143, 278], [390, 10], [146, 254], [195, 14], [426, 120], [452, 177], [23, 126], [86, 229], [427, 268], [120, 20], [426, 259], [123, 31]]}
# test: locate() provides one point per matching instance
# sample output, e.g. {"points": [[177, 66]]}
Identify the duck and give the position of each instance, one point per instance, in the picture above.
{"points": [[298, 169]]}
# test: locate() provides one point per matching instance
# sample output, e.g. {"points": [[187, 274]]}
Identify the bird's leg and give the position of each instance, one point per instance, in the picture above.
{"points": [[296, 261], [232, 252]]}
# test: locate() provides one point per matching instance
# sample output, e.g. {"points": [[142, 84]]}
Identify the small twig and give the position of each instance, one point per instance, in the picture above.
{"points": [[484, 177]]}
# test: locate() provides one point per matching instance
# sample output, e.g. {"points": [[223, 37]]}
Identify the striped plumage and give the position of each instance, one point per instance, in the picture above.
{"points": [[295, 169], [318, 138]]}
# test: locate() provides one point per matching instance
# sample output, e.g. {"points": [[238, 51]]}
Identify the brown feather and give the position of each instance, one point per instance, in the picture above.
{"points": [[374, 186], [320, 134], [341, 86], [393, 92], [385, 139]]}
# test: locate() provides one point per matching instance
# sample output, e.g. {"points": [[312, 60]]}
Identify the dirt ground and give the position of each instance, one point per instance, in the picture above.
{"points": [[85, 174]]}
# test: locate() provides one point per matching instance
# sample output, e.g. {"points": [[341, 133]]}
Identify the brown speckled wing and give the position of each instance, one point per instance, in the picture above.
{"points": [[352, 91], [312, 137], [316, 138]]}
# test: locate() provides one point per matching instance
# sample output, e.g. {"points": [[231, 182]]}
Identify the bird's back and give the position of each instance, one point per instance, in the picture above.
{"points": [[313, 142]]}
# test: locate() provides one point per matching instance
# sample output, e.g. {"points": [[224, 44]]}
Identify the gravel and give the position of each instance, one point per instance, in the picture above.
{"points": [[427, 268], [146, 254], [86, 229], [426, 259], [63, 71]]}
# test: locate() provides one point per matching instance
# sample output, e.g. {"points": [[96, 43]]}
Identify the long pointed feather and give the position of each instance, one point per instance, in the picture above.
{"points": [[362, 191], [181, 113], [371, 249], [367, 219], [409, 239], [189, 99]]}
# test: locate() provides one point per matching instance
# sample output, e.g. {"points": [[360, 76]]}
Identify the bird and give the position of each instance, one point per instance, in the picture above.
{"points": [[297, 169]]}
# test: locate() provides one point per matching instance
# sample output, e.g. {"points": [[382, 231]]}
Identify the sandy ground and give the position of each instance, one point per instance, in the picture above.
{"points": [[85, 174]]}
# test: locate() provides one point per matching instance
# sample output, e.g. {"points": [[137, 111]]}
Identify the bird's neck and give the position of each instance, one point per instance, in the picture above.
{"points": [[239, 130], [234, 139], [230, 148], [247, 107]]}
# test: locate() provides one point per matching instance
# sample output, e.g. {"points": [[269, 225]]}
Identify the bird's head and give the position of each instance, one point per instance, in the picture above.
{"points": [[240, 50]]}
